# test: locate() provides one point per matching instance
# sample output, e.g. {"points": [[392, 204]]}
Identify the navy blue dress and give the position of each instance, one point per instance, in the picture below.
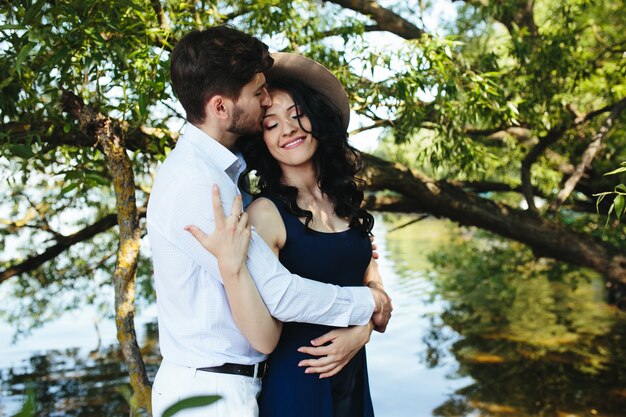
{"points": [[336, 258]]}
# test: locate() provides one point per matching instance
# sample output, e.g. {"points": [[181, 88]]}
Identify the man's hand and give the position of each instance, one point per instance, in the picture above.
{"points": [[230, 240], [383, 308], [374, 248], [343, 345]]}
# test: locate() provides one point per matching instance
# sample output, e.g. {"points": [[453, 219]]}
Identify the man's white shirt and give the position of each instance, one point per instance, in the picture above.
{"points": [[196, 327]]}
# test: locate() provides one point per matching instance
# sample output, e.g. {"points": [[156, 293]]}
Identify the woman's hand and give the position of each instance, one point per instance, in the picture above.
{"points": [[230, 240], [343, 344]]}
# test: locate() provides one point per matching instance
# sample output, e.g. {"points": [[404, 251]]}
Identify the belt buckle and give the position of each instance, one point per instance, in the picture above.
{"points": [[260, 369]]}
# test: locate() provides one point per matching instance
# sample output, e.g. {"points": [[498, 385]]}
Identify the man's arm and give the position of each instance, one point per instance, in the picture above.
{"points": [[336, 348], [288, 297], [247, 307]]}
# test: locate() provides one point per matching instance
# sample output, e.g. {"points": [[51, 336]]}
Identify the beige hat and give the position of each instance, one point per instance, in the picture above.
{"points": [[312, 74]]}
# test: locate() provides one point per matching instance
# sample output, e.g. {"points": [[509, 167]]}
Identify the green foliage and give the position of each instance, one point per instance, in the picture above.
{"points": [[618, 194], [439, 98]]}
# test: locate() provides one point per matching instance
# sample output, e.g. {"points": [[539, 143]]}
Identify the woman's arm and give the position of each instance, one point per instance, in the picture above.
{"points": [[372, 276], [229, 244]]}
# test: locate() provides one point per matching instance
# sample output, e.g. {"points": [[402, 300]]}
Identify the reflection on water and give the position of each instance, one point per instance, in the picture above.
{"points": [[75, 383], [504, 335], [536, 336]]}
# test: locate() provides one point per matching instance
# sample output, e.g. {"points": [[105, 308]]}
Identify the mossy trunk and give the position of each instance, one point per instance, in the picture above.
{"points": [[109, 137]]}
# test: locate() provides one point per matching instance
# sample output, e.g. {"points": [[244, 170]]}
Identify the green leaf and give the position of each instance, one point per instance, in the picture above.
{"points": [[619, 205], [191, 402], [98, 179], [22, 151], [512, 107], [68, 188], [599, 200], [72, 174], [15, 27], [21, 56], [608, 215], [6, 82], [33, 11], [617, 171], [620, 188], [29, 408]]}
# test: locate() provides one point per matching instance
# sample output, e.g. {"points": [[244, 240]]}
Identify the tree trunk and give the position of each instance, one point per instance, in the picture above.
{"points": [[108, 136]]}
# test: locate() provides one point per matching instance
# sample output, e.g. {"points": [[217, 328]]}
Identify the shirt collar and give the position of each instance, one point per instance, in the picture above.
{"points": [[210, 148]]}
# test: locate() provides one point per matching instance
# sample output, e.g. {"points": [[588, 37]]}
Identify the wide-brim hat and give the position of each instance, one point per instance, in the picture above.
{"points": [[314, 75]]}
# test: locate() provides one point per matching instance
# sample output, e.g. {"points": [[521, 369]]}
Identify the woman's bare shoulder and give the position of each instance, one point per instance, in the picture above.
{"points": [[266, 219], [263, 207]]}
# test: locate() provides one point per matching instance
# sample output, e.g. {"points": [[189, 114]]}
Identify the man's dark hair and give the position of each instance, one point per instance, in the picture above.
{"points": [[217, 60]]}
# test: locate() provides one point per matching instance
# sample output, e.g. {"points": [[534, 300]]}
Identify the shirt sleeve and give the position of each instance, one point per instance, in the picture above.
{"points": [[288, 296]]}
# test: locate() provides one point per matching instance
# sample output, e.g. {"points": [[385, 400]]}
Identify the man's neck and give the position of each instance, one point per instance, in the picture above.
{"points": [[227, 139]]}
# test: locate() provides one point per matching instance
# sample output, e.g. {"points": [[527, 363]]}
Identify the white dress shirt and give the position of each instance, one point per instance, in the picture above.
{"points": [[196, 327]]}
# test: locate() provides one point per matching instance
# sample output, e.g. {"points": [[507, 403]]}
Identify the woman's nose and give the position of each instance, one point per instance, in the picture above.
{"points": [[289, 126]]}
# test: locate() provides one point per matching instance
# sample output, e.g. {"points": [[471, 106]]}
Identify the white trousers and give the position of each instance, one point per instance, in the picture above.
{"points": [[174, 383]]}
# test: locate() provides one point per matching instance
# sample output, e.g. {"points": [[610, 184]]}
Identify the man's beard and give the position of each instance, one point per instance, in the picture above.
{"points": [[241, 125]]}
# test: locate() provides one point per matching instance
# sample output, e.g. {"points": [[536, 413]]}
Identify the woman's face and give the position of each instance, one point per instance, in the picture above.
{"points": [[288, 143]]}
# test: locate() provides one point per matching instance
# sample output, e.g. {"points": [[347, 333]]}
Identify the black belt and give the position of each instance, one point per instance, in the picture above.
{"points": [[236, 369]]}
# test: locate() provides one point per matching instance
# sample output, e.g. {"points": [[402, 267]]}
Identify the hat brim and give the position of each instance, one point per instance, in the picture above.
{"points": [[315, 76]]}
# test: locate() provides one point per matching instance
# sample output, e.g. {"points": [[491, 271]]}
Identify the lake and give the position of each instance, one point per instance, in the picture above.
{"points": [[535, 357]]}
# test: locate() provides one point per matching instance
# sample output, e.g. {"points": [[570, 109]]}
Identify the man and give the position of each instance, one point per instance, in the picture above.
{"points": [[217, 75]]}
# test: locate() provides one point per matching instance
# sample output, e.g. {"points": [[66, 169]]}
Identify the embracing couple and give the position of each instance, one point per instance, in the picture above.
{"points": [[293, 276]]}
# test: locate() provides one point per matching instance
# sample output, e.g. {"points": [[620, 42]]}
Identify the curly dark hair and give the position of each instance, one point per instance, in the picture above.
{"points": [[336, 162], [217, 60]]}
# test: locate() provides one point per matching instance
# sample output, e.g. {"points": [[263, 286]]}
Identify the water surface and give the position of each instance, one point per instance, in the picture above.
{"points": [[548, 350]]}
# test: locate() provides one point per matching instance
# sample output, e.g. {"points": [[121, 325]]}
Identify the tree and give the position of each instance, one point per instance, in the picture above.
{"points": [[506, 123]]}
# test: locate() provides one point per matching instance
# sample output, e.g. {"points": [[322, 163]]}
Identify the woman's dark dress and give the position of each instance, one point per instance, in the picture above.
{"points": [[336, 258]]}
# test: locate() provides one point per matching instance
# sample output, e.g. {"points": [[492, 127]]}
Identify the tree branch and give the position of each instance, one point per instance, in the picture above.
{"points": [[544, 237], [592, 114], [485, 186], [62, 244], [146, 139], [158, 9], [410, 222], [376, 124], [386, 19], [588, 155], [512, 14], [544, 142], [343, 30], [522, 134]]}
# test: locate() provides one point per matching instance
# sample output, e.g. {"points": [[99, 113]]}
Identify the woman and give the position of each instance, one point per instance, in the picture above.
{"points": [[309, 213]]}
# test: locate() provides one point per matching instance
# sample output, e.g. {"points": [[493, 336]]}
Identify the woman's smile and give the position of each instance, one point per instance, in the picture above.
{"points": [[294, 143]]}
